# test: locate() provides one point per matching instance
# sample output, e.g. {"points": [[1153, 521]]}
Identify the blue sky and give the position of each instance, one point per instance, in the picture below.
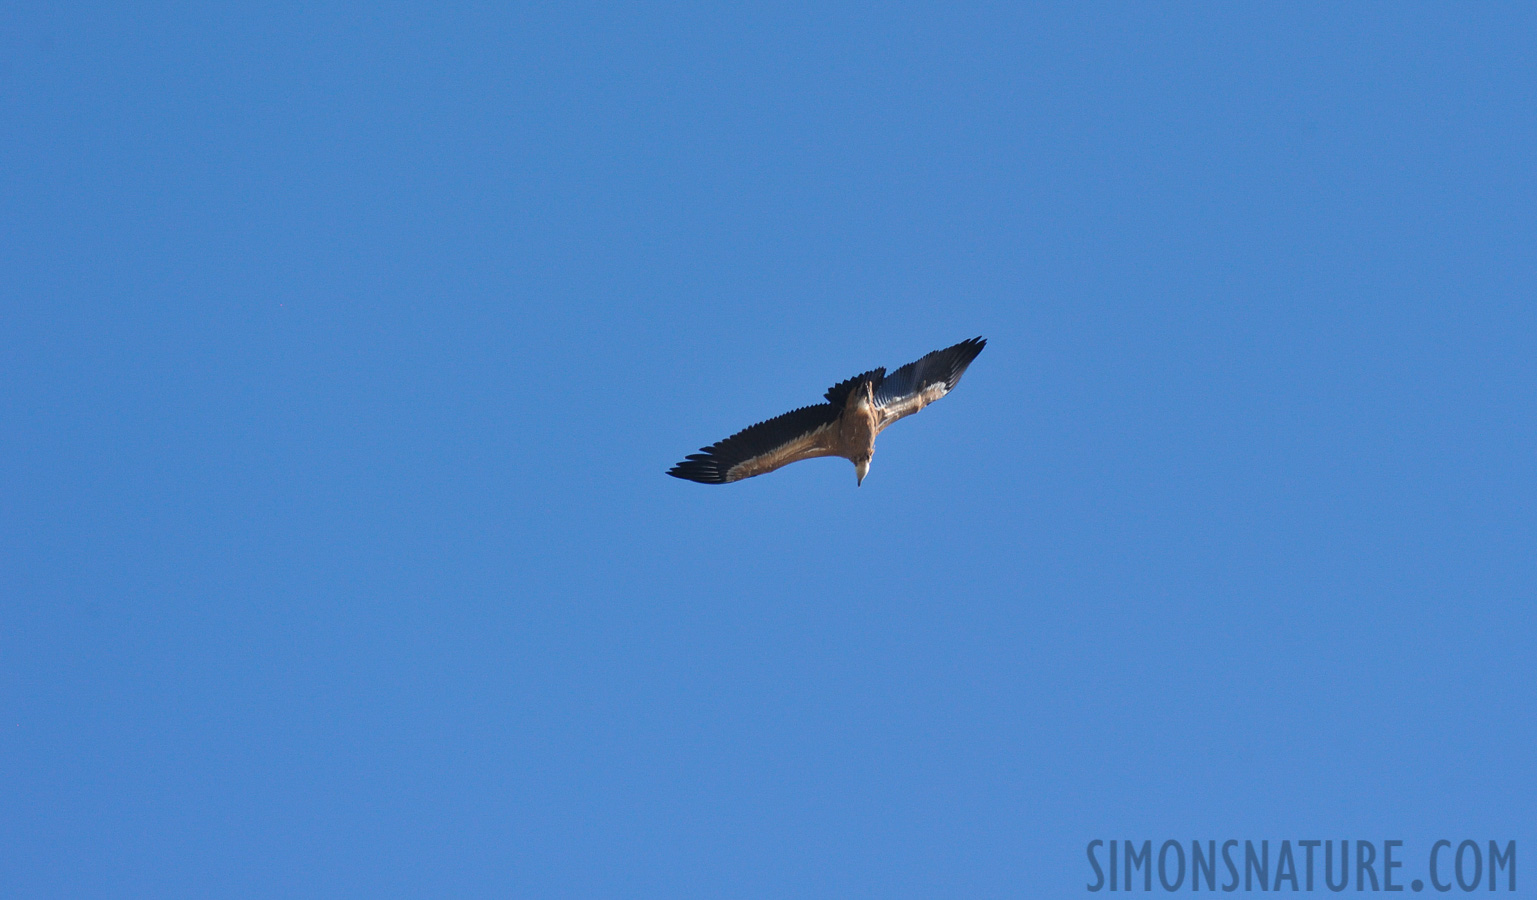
{"points": [[345, 348]]}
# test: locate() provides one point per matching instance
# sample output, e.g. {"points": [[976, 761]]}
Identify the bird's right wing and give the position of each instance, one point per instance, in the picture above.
{"points": [[920, 383], [805, 433]]}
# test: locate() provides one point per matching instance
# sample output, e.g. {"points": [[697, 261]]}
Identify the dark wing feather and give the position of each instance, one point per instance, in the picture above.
{"points": [[838, 394], [920, 383], [761, 448]]}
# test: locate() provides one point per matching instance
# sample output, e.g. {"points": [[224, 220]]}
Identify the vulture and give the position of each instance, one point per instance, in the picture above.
{"points": [[856, 411]]}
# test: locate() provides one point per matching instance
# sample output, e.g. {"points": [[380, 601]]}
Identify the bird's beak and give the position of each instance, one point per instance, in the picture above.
{"points": [[860, 471]]}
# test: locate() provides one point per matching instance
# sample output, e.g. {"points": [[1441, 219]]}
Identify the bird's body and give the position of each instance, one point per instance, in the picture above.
{"points": [[846, 425]]}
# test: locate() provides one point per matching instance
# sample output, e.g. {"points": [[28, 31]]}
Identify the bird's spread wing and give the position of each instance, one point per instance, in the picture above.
{"points": [[920, 383], [794, 436]]}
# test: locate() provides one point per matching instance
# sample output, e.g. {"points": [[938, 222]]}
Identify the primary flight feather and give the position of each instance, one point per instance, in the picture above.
{"points": [[856, 411]]}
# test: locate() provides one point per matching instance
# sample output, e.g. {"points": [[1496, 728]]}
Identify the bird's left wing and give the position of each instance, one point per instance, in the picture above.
{"points": [[920, 383], [802, 434]]}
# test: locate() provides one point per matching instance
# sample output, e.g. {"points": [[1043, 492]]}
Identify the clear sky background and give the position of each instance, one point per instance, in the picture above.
{"points": [[344, 349]]}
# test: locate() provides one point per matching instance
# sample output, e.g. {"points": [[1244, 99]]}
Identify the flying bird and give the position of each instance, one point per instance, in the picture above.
{"points": [[856, 411]]}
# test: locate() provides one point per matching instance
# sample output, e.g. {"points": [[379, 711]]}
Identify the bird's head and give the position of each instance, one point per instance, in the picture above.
{"points": [[861, 469]]}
